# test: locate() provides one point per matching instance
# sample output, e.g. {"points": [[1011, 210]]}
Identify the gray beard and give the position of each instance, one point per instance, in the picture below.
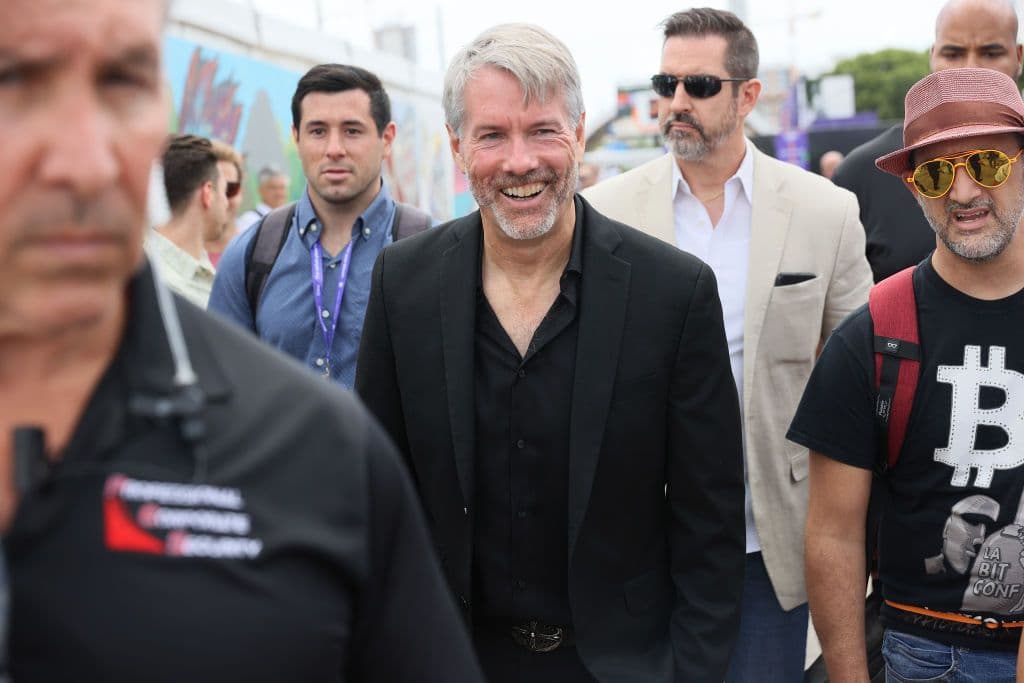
{"points": [[508, 225], [993, 244], [697, 148]]}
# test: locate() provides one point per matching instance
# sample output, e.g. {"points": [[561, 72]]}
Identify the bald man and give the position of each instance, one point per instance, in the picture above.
{"points": [[978, 33], [829, 162]]}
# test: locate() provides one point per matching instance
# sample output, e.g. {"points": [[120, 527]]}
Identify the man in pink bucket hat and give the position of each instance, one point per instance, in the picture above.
{"points": [[925, 385]]}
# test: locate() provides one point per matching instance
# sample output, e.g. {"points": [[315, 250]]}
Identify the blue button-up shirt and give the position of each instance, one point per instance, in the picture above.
{"points": [[286, 315]]}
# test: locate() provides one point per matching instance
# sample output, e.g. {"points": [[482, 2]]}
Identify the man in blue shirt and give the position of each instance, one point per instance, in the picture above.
{"points": [[314, 298]]}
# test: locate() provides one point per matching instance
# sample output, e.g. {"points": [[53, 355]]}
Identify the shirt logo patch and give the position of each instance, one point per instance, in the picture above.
{"points": [[177, 520], [966, 416]]}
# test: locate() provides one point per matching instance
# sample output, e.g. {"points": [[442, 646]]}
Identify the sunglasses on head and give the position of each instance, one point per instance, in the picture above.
{"points": [[698, 85], [233, 188], [988, 167]]}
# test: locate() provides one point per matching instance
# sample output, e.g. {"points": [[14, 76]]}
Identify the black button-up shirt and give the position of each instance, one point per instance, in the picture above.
{"points": [[523, 404]]}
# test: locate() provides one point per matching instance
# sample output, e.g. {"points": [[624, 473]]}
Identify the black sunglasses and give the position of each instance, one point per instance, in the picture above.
{"points": [[700, 86], [232, 188]]}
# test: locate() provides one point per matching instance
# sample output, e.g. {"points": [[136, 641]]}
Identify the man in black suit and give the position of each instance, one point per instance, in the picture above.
{"points": [[559, 385]]}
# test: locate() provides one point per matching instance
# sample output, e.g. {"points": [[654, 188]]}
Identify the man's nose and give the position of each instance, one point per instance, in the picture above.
{"points": [[964, 189], [520, 158], [681, 100], [81, 144], [335, 144]]}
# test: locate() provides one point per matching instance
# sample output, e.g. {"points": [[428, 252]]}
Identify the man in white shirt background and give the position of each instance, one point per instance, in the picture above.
{"points": [[273, 191]]}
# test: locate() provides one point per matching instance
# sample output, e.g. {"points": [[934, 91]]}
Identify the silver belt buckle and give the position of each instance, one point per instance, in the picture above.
{"points": [[538, 637]]}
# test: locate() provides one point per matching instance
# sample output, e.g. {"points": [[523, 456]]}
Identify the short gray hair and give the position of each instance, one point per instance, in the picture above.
{"points": [[540, 62], [270, 172]]}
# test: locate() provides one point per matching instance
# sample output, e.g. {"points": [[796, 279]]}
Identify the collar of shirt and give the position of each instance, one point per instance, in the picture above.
{"points": [[373, 218], [742, 178], [177, 258], [573, 267]]}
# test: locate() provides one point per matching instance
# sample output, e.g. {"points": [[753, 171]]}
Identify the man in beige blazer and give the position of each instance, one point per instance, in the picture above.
{"points": [[787, 249]]}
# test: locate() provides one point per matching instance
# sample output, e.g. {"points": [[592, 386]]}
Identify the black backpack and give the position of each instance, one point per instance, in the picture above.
{"points": [[273, 230]]}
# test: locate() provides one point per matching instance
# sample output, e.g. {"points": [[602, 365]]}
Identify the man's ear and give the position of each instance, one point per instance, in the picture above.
{"points": [[581, 135], [749, 93], [456, 146], [388, 136], [295, 135], [206, 191]]}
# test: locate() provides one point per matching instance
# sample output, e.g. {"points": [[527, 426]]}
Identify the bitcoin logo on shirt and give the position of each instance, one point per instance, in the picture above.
{"points": [[966, 416]]}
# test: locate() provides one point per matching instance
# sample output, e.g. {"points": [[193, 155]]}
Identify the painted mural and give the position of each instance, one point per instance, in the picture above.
{"points": [[246, 102]]}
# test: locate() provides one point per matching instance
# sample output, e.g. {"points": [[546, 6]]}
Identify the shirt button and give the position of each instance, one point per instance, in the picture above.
{"points": [[520, 443], [319, 362], [521, 373], [332, 265], [312, 228], [521, 514], [366, 232], [325, 313]]}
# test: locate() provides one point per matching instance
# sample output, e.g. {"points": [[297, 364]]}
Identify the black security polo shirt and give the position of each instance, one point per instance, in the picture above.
{"points": [[285, 546], [522, 406]]}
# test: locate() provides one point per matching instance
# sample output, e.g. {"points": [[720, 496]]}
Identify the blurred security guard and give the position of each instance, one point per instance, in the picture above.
{"points": [[182, 512]]}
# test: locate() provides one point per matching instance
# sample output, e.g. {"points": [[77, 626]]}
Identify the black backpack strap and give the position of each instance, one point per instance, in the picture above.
{"points": [[409, 220], [266, 245]]}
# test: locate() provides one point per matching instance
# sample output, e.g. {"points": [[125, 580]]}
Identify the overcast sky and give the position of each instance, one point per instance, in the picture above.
{"points": [[622, 44]]}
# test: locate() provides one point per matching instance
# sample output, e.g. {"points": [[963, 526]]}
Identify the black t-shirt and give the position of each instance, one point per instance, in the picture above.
{"points": [[952, 531], [898, 236]]}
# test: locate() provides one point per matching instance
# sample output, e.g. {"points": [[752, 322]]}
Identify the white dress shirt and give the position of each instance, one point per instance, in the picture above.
{"points": [[726, 249], [251, 216]]}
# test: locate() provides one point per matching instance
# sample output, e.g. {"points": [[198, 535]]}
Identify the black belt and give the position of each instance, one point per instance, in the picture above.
{"points": [[536, 636]]}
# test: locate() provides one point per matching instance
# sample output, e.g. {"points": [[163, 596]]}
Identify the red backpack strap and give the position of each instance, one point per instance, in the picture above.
{"points": [[897, 359]]}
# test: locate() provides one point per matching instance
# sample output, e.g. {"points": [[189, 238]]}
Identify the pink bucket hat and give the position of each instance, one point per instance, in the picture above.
{"points": [[953, 104]]}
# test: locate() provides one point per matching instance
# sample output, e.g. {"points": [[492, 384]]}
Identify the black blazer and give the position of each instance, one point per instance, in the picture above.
{"points": [[656, 520]]}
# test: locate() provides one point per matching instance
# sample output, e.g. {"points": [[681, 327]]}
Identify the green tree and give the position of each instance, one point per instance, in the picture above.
{"points": [[881, 79]]}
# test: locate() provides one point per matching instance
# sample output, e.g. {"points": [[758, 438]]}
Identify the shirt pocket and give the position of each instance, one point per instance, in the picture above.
{"points": [[792, 325]]}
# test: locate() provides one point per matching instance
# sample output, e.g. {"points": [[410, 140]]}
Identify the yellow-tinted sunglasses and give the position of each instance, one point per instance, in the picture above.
{"points": [[988, 167]]}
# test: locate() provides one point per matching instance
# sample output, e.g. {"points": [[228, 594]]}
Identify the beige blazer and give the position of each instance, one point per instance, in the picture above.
{"points": [[801, 223]]}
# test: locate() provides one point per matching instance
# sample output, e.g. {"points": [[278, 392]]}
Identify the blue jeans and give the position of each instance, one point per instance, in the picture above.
{"points": [[773, 643], [912, 659]]}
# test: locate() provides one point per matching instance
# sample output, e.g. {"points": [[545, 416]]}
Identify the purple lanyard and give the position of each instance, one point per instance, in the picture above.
{"points": [[316, 262]]}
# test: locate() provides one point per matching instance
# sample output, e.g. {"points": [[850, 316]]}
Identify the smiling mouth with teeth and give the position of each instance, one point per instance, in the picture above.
{"points": [[524, 191]]}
